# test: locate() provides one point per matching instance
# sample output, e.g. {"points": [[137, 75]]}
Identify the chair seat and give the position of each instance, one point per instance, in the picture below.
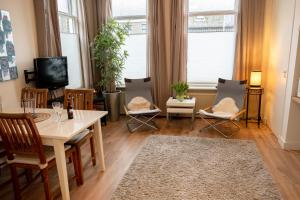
{"points": [[79, 137], [2, 161], [34, 160], [217, 115], [152, 111]]}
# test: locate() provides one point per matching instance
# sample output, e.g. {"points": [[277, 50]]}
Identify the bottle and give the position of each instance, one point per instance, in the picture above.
{"points": [[70, 109]]}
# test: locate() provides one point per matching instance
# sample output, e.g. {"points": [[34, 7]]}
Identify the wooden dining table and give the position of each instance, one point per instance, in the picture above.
{"points": [[55, 133]]}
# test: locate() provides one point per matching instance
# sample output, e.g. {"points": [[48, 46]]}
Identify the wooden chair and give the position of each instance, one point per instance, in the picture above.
{"points": [[2, 156], [82, 100], [24, 149], [40, 95]]}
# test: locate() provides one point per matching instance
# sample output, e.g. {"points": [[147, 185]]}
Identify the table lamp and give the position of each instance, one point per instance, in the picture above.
{"points": [[255, 79]]}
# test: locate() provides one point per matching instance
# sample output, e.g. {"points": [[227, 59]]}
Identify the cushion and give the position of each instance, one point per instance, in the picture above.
{"points": [[216, 115], [226, 106], [34, 159], [139, 104]]}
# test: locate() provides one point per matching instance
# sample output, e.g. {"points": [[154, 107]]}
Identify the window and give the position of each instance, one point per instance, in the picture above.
{"points": [[134, 13], [68, 24], [211, 41]]}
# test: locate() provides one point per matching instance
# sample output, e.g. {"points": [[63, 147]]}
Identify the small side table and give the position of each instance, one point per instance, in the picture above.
{"points": [[254, 91], [187, 106]]}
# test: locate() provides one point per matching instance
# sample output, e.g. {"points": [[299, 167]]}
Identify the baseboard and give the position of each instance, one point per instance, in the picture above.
{"points": [[289, 145]]}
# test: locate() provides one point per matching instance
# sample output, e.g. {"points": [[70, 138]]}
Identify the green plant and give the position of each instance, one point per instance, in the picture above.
{"points": [[108, 54], [181, 89]]}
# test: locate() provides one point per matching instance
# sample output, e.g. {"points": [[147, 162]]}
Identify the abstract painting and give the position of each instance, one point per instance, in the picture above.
{"points": [[8, 67]]}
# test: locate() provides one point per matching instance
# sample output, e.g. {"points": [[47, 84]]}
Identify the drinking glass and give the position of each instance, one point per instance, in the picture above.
{"points": [[28, 105], [58, 108]]}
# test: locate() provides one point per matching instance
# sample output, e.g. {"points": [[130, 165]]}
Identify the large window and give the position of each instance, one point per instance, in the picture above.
{"points": [[68, 24], [211, 41], [134, 13]]}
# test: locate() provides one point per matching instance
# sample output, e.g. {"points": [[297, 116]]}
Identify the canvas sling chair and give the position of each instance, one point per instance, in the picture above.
{"points": [[226, 88], [141, 118]]}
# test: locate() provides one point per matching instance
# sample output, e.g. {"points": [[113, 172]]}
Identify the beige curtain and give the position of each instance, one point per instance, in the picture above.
{"points": [[97, 13], [47, 25], [250, 39], [179, 33], [86, 62], [160, 71]]}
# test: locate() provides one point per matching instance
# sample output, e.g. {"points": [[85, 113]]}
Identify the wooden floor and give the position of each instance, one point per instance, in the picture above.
{"points": [[121, 147]]}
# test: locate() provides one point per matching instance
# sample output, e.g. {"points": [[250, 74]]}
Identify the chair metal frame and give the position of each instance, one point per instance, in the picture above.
{"points": [[214, 121], [142, 118]]}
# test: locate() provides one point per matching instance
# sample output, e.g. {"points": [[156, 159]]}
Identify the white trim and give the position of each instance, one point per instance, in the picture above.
{"points": [[288, 145]]}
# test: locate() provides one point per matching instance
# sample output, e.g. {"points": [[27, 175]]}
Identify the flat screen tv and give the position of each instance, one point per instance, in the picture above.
{"points": [[51, 73]]}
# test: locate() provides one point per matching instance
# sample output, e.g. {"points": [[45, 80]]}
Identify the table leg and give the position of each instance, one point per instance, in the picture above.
{"points": [[60, 156], [247, 110], [99, 144], [259, 116], [193, 115]]}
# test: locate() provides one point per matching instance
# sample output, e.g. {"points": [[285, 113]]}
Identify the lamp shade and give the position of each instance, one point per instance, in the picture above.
{"points": [[255, 79]]}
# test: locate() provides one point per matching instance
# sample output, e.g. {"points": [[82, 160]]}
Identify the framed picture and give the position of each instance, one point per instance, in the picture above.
{"points": [[8, 67]]}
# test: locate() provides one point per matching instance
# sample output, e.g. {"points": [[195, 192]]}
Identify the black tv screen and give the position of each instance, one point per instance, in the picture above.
{"points": [[51, 72]]}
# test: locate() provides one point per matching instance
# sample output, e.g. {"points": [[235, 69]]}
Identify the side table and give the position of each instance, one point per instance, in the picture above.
{"points": [[186, 106], [254, 91]]}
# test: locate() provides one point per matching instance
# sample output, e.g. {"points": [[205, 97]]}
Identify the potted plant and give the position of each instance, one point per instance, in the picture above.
{"points": [[181, 90], [109, 60]]}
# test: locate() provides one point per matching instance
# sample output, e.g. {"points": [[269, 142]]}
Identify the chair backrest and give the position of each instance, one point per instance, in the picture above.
{"points": [[138, 87], [19, 135], [233, 89], [82, 98], [40, 96]]}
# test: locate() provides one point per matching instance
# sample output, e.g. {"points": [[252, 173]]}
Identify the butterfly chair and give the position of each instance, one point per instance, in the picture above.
{"points": [[141, 118], [24, 149], [235, 90]]}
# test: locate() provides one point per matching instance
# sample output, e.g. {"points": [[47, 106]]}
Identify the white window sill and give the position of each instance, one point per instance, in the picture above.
{"points": [[202, 88], [191, 87]]}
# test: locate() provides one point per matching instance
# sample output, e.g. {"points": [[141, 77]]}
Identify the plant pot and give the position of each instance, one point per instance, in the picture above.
{"points": [[180, 97], [113, 105]]}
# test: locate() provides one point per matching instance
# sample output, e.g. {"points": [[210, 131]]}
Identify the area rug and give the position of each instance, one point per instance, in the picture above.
{"points": [[185, 168]]}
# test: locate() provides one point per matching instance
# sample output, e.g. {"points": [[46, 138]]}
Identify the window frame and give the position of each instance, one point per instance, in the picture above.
{"points": [[70, 15], [235, 12], [128, 18]]}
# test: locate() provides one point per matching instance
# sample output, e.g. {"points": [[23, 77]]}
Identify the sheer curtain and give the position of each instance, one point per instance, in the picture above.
{"points": [[167, 46], [179, 35], [97, 12], [160, 70], [47, 24], [250, 38], [86, 61]]}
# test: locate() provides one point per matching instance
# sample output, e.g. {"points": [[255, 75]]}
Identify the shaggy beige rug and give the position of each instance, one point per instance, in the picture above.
{"points": [[185, 168]]}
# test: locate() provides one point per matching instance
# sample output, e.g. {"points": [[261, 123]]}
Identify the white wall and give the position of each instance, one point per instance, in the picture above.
{"points": [[292, 115], [24, 33], [282, 73]]}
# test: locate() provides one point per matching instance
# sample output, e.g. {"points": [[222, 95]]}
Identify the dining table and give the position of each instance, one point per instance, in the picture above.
{"points": [[56, 133]]}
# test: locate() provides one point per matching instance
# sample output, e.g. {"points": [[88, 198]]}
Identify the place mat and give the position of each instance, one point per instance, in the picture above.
{"points": [[39, 117]]}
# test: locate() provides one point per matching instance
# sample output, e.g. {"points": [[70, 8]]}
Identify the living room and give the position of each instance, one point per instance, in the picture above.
{"points": [[149, 99]]}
